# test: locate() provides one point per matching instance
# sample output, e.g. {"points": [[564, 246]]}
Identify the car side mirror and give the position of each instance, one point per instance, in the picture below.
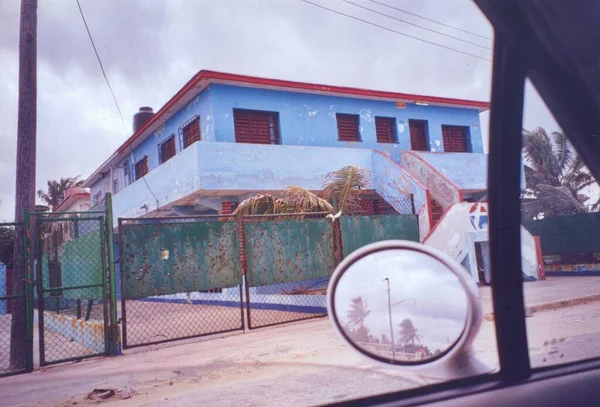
{"points": [[405, 304]]}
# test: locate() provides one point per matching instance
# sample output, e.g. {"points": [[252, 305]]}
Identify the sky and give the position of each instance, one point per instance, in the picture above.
{"points": [[151, 48], [432, 296]]}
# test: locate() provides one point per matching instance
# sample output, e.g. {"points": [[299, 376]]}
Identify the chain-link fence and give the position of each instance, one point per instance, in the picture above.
{"points": [[286, 302], [180, 278], [71, 274], [15, 324]]}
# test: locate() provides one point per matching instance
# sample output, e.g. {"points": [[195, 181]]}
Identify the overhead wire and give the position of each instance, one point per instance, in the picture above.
{"points": [[431, 20], [397, 32], [113, 96], [416, 25]]}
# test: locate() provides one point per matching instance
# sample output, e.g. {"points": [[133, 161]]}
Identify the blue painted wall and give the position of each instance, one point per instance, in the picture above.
{"points": [[309, 119]]}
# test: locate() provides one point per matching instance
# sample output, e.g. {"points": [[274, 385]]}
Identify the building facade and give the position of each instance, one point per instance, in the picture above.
{"points": [[225, 137]]}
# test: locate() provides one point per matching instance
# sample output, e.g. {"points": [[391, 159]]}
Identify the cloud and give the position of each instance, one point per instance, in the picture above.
{"points": [[150, 49]]}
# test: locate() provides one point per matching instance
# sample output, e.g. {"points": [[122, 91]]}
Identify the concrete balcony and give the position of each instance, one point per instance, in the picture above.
{"points": [[208, 169]]}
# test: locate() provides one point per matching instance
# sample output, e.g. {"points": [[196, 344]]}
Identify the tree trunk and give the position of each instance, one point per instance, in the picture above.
{"points": [[25, 179]]}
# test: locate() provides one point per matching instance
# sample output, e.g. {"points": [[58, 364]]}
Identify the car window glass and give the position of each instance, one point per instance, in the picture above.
{"points": [[561, 234]]}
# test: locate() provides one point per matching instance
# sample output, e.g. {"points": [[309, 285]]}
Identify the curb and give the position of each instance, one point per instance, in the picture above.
{"points": [[551, 305]]}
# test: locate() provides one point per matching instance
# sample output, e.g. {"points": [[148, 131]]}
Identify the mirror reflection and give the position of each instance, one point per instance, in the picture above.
{"points": [[401, 297]]}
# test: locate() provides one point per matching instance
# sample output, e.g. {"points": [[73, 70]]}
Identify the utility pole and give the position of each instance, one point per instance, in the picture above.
{"points": [[390, 318], [25, 180]]}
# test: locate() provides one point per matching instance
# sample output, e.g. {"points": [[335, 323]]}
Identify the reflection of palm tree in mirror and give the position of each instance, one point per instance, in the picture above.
{"points": [[408, 333], [357, 312]]}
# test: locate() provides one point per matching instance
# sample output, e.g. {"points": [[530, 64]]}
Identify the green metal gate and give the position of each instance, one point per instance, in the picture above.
{"points": [[71, 276]]}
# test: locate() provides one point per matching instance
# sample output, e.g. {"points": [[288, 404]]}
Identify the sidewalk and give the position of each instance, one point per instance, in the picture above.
{"points": [[296, 364], [552, 293]]}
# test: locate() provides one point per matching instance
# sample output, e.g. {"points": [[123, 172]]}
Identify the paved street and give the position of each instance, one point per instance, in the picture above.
{"points": [[297, 364]]}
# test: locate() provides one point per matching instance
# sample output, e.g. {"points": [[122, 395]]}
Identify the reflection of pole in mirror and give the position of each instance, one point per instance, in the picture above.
{"points": [[390, 306]]}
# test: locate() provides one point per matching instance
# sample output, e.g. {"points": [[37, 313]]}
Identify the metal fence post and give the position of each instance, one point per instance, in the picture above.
{"points": [[244, 261], [113, 329]]}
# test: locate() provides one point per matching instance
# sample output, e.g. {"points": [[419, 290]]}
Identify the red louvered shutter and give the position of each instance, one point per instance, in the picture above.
{"points": [[347, 125], [255, 127], [141, 168], [191, 132], [385, 129], [167, 149], [417, 135], [455, 139]]}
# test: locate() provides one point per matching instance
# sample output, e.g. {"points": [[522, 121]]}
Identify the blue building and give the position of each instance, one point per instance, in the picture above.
{"points": [[225, 137]]}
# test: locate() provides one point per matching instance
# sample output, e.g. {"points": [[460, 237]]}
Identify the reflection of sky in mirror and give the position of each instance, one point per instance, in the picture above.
{"points": [[438, 310]]}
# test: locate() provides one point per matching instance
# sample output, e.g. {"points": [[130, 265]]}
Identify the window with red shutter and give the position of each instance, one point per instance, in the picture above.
{"points": [[166, 149], [347, 126], [418, 135], [141, 168], [190, 132], [385, 129], [455, 139], [256, 127]]}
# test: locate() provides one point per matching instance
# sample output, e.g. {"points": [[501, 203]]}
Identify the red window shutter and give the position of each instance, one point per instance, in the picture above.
{"points": [[141, 168], [191, 132], [417, 135], [385, 129], [167, 149], [255, 127], [347, 125], [455, 139]]}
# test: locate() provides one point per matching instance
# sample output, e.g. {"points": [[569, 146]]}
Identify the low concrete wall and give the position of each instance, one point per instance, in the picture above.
{"points": [[89, 334]]}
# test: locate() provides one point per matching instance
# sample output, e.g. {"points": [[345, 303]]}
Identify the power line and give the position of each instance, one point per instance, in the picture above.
{"points": [[113, 96], [431, 20], [416, 25], [397, 32]]}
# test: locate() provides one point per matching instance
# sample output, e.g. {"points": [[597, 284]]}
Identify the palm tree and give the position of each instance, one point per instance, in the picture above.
{"points": [[56, 190], [408, 333], [357, 312], [555, 176], [341, 193], [343, 188]]}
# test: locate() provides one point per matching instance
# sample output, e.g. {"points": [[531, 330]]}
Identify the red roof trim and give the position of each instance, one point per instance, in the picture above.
{"points": [[252, 80], [72, 198]]}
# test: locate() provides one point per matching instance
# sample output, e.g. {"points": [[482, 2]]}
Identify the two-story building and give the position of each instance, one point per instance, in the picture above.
{"points": [[225, 137]]}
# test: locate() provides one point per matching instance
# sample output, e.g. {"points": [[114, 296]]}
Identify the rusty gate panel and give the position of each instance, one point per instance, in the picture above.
{"points": [[289, 262], [180, 278], [288, 250], [171, 258], [358, 231]]}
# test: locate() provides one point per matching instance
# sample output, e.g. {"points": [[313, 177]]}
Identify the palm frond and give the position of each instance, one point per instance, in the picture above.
{"points": [[344, 187], [303, 200], [262, 204]]}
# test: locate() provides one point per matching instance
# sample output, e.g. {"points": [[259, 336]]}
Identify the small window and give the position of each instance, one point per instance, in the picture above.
{"points": [[115, 186], [166, 149], [96, 198], [455, 139], [385, 128], [190, 132], [141, 168], [347, 125], [418, 135], [256, 127]]}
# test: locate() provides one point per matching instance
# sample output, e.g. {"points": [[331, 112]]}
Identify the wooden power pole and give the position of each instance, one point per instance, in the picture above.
{"points": [[25, 180]]}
